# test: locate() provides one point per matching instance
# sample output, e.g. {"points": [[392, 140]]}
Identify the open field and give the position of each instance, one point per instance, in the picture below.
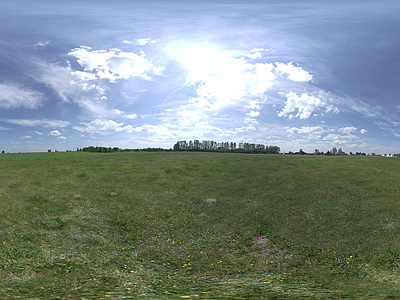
{"points": [[130, 225]]}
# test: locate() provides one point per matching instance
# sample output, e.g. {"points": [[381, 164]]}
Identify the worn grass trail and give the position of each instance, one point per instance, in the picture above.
{"points": [[138, 224]]}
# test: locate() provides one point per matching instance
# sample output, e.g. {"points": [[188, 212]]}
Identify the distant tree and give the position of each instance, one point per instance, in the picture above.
{"points": [[340, 151], [49, 150], [334, 150], [2, 152], [327, 153], [316, 152], [301, 152]]}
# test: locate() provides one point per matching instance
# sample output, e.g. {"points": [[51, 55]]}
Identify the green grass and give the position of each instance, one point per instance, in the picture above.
{"points": [[129, 225], [45, 155]]}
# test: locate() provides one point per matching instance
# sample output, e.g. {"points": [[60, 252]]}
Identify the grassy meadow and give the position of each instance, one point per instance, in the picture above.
{"points": [[173, 225]]}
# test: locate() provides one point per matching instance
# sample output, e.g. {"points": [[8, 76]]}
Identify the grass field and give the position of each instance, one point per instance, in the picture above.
{"points": [[142, 225]]}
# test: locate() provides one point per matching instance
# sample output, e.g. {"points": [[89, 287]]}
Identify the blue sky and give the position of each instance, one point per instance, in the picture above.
{"points": [[137, 74]]}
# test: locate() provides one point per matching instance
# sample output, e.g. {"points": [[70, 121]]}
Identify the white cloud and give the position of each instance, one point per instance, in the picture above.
{"points": [[15, 96], [251, 125], [25, 137], [253, 105], [313, 132], [207, 128], [143, 42], [363, 131], [83, 75], [117, 111], [37, 132], [62, 137], [254, 113], [55, 133], [41, 45], [121, 113], [305, 104], [294, 73], [338, 137], [224, 76], [104, 127], [347, 130], [111, 65], [145, 128], [32, 123]]}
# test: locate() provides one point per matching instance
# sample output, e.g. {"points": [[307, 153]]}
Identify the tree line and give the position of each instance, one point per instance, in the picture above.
{"points": [[116, 149], [212, 146]]}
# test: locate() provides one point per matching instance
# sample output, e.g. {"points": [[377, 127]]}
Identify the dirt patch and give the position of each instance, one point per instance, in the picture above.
{"points": [[113, 193], [391, 224], [259, 241], [77, 196], [211, 201]]}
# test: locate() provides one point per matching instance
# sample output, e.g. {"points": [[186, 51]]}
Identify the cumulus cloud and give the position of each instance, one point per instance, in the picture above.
{"points": [[15, 96], [25, 137], [32, 123], [313, 132], [55, 133], [83, 75], [62, 137], [251, 125], [145, 128], [122, 114], [338, 137], [143, 42], [254, 105], [113, 64], [117, 111], [305, 104], [104, 127], [222, 77], [294, 73], [254, 113], [363, 131], [348, 129]]}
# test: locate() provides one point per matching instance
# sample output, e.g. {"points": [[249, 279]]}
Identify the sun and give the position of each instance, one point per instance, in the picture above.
{"points": [[203, 61]]}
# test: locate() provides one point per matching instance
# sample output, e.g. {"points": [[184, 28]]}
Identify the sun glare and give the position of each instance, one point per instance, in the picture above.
{"points": [[203, 61]]}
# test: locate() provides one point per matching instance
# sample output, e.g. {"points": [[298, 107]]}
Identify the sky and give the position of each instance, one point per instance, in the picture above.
{"points": [[135, 74]]}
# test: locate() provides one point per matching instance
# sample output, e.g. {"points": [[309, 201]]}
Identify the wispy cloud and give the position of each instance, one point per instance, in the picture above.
{"points": [[41, 45], [15, 96], [32, 123]]}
